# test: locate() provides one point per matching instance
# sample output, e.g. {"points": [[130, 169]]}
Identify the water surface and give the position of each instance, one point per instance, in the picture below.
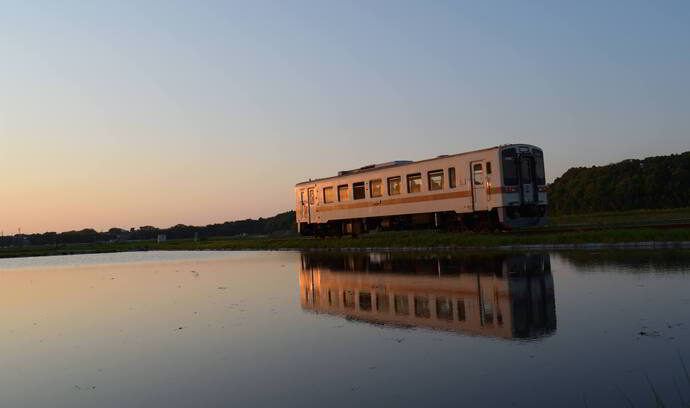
{"points": [[180, 329]]}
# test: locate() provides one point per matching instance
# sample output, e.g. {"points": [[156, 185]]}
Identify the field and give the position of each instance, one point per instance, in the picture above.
{"points": [[402, 239], [421, 238], [623, 218]]}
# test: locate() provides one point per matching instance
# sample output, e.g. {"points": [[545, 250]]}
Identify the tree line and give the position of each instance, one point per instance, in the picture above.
{"points": [[651, 183], [279, 224]]}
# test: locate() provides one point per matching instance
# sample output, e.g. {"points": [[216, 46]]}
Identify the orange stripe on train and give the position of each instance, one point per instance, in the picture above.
{"points": [[394, 201]]}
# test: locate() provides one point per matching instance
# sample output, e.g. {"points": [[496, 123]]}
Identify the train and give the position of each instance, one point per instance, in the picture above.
{"points": [[498, 188], [500, 296]]}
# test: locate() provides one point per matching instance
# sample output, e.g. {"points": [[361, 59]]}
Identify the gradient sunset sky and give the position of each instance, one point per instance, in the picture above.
{"points": [[123, 114]]}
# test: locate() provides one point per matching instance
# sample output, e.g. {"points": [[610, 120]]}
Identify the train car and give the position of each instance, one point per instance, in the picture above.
{"points": [[501, 187], [502, 296]]}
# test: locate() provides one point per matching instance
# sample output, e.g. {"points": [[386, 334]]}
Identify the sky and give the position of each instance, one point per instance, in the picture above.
{"points": [[129, 113]]}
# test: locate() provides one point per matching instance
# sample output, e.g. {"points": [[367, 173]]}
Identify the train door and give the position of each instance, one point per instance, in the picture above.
{"points": [[478, 186], [529, 189], [310, 202], [303, 208]]}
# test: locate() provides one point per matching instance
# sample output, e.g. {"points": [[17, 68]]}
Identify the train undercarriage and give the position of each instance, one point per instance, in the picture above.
{"points": [[496, 220]]}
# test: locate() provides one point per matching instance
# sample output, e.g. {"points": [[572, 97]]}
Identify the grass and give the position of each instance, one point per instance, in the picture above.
{"points": [[416, 239], [393, 239], [657, 400], [443, 239], [621, 218]]}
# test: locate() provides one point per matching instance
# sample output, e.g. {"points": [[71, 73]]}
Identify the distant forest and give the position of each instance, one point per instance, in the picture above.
{"points": [[282, 223], [651, 183]]}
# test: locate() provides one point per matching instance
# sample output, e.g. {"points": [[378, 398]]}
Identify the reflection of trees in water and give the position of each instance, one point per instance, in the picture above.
{"points": [[412, 262], [636, 261]]}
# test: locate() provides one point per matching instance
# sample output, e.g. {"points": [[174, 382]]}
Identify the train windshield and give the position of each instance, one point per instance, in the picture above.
{"points": [[526, 170], [539, 168], [509, 158]]}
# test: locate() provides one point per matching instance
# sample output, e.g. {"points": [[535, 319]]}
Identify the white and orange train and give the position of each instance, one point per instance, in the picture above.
{"points": [[501, 187]]}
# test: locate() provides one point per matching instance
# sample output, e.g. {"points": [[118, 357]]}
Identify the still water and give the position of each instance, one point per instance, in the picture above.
{"points": [[184, 329]]}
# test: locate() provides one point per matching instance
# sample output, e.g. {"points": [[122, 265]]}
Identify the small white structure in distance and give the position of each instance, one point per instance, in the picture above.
{"points": [[162, 238]]}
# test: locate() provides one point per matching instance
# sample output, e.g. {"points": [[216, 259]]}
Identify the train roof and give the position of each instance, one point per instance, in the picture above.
{"points": [[400, 163]]}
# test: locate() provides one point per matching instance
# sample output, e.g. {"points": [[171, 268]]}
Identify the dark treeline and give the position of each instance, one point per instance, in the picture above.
{"points": [[651, 183], [630, 261], [279, 224]]}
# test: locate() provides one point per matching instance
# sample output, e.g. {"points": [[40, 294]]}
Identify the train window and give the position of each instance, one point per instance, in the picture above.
{"points": [[342, 193], [451, 177], [394, 185], [332, 297], [526, 170], [311, 195], [402, 305], [488, 168], [301, 197], [382, 302], [375, 188], [509, 158], [539, 168], [328, 195], [488, 312], [444, 308], [358, 191], [365, 301], [349, 298], [435, 180], [477, 174], [421, 307], [414, 183], [461, 310]]}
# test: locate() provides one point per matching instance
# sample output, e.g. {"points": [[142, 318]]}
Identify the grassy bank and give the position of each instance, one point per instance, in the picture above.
{"points": [[421, 239], [441, 239], [621, 218]]}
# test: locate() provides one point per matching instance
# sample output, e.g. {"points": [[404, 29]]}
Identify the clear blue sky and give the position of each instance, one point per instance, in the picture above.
{"points": [[161, 112]]}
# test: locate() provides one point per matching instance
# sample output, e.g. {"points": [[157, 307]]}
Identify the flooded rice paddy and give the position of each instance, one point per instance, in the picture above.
{"points": [[182, 329]]}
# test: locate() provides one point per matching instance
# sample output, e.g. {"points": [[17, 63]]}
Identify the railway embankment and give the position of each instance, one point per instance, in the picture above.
{"points": [[637, 238]]}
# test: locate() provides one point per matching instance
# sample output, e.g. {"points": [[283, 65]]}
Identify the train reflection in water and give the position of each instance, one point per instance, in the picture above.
{"points": [[506, 296]]}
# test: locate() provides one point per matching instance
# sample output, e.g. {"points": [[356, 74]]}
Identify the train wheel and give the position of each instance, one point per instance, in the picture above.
{"points": [[494, 223], [483, 224], [321, 232]]}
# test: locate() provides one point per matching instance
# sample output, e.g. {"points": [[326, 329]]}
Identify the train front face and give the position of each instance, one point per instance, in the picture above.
{"points": [[524, 186]]}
